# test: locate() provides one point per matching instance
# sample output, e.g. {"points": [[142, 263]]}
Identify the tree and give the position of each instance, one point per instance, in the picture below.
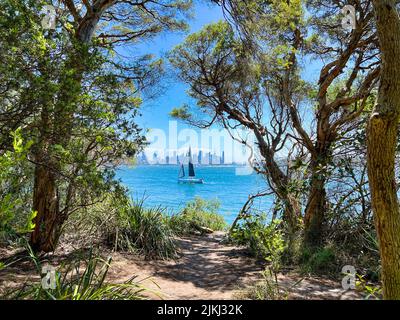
{"points": [[382, 141], [337, 107], [348, 74], [78, 99], [232, 88]]}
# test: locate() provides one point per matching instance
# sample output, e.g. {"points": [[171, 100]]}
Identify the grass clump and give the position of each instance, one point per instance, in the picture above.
{"points": [[126, 225], [199, 216], [146, 231], [267, 288]]}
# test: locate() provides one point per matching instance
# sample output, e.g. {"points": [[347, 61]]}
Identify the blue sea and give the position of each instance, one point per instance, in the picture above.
{"points": [[158, 184]]}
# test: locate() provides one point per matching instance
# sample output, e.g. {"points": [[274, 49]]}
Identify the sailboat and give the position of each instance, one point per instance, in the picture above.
{"points": [[192, 176]]}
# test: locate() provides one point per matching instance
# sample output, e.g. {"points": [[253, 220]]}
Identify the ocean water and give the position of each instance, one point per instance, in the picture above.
{"points": [[158, 184]]}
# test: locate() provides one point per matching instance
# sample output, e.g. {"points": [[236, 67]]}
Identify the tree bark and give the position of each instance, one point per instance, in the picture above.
{"points": [[316, 207], [46, 204], [382, 136], [315, 212]]}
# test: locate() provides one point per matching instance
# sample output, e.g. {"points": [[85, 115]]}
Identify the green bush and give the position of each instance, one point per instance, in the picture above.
{"points": [[146, 231], [100, 221], [126, 225], [320, 260], [264, 240], [15, 215], [199, 216]]}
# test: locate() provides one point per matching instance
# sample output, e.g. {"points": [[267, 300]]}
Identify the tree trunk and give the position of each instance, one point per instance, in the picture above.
{"points": [[292, 213], [280, 181], [315, 213], [45, 195], [316, 207], [55, 129], [46, 203], [382, 136]]}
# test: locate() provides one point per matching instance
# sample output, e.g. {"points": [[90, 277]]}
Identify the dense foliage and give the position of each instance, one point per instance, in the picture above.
{"points": [[198, 217]]}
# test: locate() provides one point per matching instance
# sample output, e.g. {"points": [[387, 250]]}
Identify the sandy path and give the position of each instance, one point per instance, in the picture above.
{"points": [[211, 270], [206, 270]]}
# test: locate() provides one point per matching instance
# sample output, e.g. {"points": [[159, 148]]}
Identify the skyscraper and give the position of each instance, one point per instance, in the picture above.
{"points": [[216, 160]]}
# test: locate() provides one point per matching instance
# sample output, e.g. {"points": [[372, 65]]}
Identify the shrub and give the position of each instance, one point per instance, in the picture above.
{"points": [[319, 260], [146, 231], [199, 216], [98, 222], [15, 215], [264, 240], [126, 225], [371, 291]]}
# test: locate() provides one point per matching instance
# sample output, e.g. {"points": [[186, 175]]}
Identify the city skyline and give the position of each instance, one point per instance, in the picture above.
{"points": [[178, 157]]}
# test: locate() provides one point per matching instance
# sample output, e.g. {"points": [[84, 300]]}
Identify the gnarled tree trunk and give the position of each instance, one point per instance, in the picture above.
{"points": [[315, 212], [382, 137], [46, 204], [316, 207]]}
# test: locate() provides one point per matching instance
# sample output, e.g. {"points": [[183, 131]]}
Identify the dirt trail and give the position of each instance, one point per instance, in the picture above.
{"points": [[206, 270], [209, 269]]}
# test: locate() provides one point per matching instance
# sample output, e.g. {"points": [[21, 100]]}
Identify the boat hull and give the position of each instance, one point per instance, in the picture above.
{"points": [[191, 180]]}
